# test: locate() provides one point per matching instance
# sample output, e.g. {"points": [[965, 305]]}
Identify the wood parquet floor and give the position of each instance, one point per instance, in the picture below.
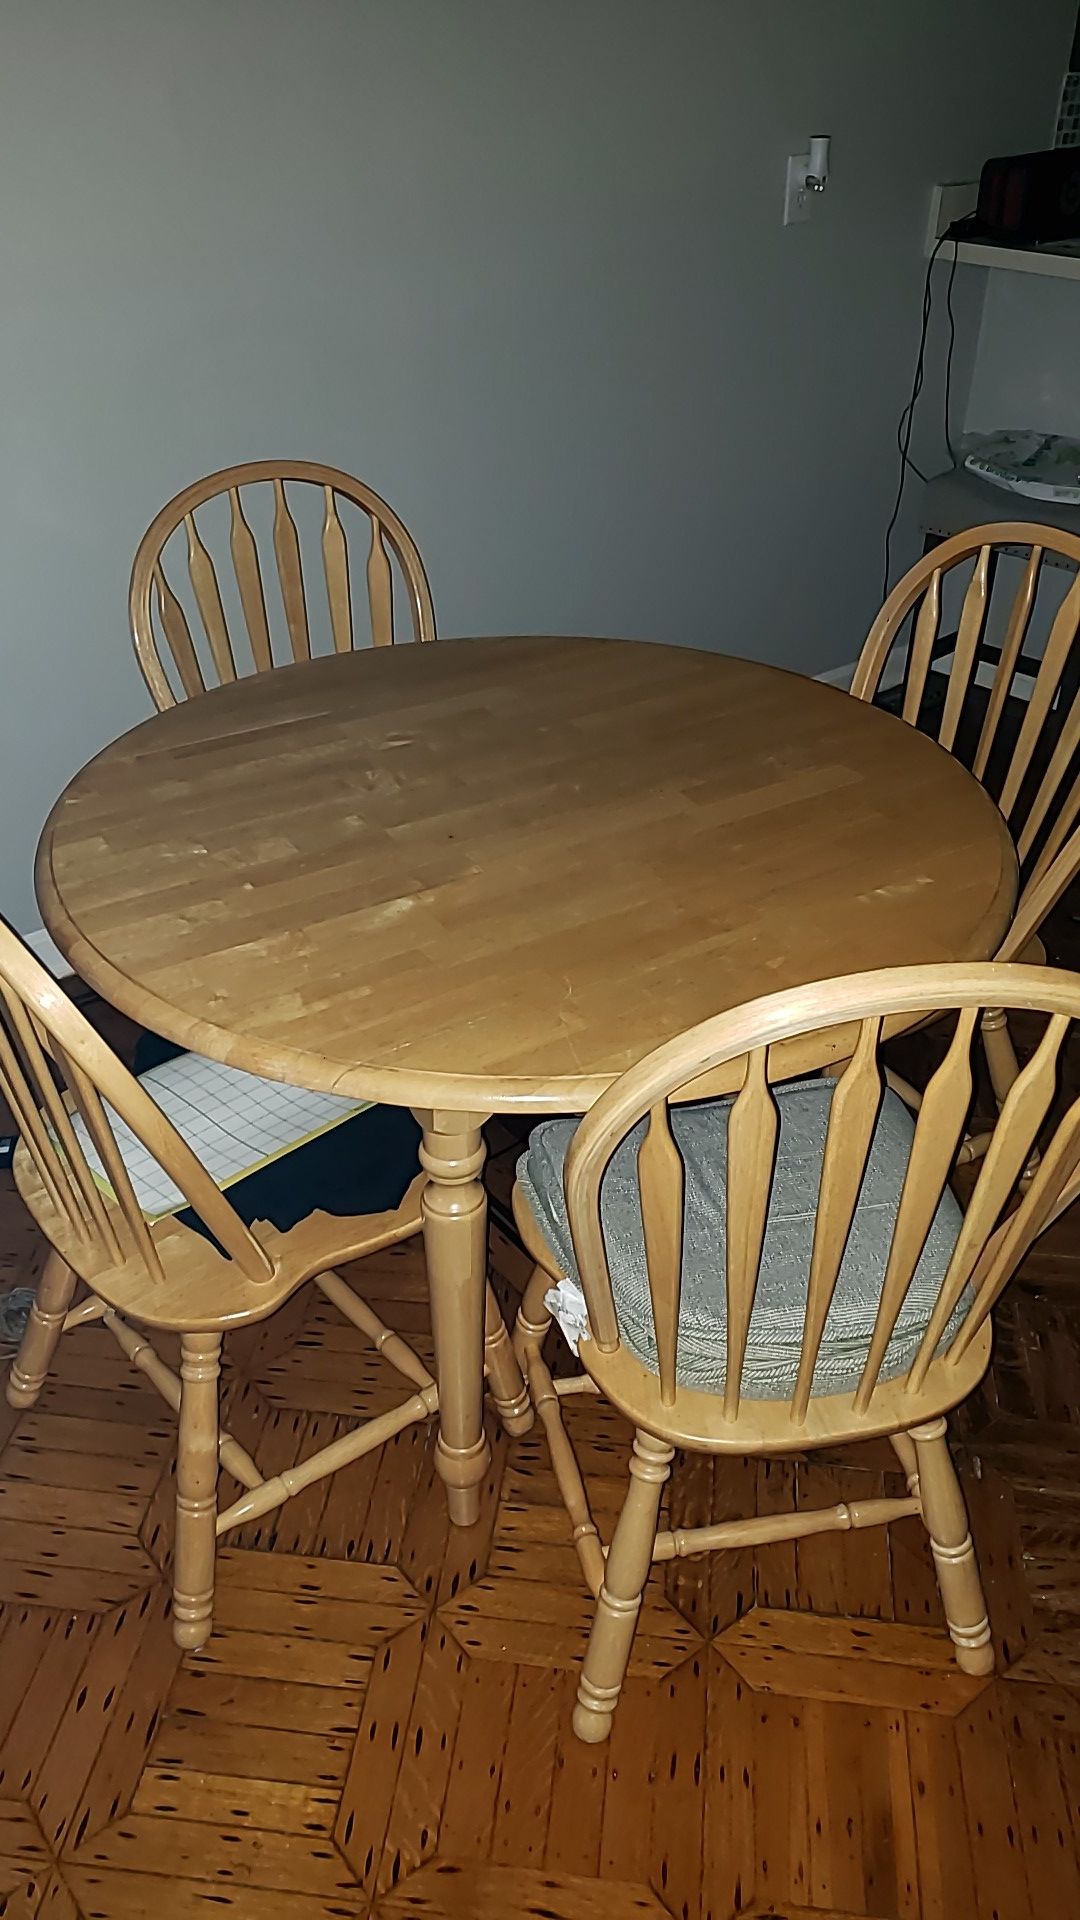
{"points": [[380, 1725]]}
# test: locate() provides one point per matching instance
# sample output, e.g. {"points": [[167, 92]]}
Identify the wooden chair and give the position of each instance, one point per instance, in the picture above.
{"points": [[786, 1271], [1037, 783], [1029, 782], [1022, 942], [57, 1074], [161, 628]]}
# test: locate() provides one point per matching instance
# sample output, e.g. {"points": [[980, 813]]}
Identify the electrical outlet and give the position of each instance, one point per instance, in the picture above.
{"points": [[796, 192]]}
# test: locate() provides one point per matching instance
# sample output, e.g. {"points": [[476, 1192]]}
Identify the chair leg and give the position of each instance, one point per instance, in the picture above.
{"points": [[504, 1375], [31, 1364], [196, 1490], [533, 1318], [1000, 1052], [625, 1573], [946, 1519], [904, 1090], [1004, 1070], [904, 1448]]}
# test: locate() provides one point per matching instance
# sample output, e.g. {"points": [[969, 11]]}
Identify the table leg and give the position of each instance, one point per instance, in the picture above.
{"points": [[455, 1245]]}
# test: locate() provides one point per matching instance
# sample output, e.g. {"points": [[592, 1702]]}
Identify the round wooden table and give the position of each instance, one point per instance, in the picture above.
{"points": [[487, 875]]}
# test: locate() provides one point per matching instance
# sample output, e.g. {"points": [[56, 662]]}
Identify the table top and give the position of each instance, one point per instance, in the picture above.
{"points": [[490, 874]]}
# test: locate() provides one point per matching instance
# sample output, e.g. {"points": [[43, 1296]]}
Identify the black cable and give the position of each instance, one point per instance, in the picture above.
{"points": [[949, 351], [907, 418], [906, 422]]}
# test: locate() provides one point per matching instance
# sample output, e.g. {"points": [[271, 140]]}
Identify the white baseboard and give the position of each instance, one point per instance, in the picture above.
{"points": [[891, 676], [1021, 688], [48, 953]]}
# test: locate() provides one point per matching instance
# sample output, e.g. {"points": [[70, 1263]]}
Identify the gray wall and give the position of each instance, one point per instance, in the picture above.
{"points": [[1027, 368], [518, 262]]}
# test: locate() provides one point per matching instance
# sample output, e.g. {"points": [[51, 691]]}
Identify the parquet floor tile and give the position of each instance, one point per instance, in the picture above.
{"points": [[460, 1890], [380, 1725], [822, 1657]]}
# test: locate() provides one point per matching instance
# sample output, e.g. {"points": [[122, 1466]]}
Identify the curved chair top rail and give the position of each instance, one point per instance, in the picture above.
{"points": [[161, 629], [1027, 812], [55, 1066]]}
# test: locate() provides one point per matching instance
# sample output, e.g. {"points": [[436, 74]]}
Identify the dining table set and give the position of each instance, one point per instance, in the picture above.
{"points": [[499, 875]]}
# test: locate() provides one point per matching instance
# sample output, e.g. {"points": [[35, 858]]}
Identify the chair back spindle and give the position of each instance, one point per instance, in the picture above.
{"points": [[178, 637], [290, 574], [245, 559], [938, 1132], [661, 1183], [1012, 646], [1059, 649], [752, 1133], [55, 1070], [1050, 879], [204, 582], [999, 1224], [1030, 778], [1025, 1109], [968, 635], [922, 648], [856, 1103], [226, 600], [336, 566]]}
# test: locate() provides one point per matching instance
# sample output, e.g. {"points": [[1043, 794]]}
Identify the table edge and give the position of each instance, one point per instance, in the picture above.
{"points": [[422, 1087]]}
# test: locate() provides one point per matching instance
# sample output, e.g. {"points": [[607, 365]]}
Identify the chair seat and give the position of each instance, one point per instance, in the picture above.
{"points": [[364, 1172], [280, 1152], [776, 1325]]}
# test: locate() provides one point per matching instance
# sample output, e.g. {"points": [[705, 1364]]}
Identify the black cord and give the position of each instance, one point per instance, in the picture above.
{"points": [[906, 422], [949, 351], [907, 418]]}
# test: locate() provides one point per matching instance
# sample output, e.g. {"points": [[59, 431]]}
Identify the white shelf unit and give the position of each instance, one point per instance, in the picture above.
{"points": [[951, 202]]}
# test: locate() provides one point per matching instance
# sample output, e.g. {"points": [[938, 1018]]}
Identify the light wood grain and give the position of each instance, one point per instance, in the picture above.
{"points": [[753, 1130], [921, 587], [660, 1174], [853, 1114], [1054, 873], [164, 646], [1011, 648], [290, 573], [619, 1600], [938, 1131], [1031, 780], [204, 582], [945, 1513], [326, 875], [245, 558]]}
